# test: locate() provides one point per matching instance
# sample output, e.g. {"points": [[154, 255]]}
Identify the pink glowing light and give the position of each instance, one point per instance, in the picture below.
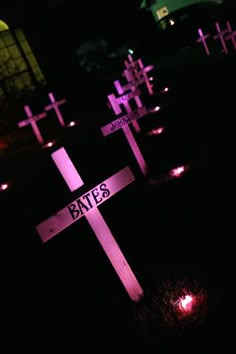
{"points": [[67, 169], [166, 89], [178, 171], [186, 303], [155, 109], [87, 205], [32, 120], [49, 144], [55, 105], [4, 186], [156, 131]]}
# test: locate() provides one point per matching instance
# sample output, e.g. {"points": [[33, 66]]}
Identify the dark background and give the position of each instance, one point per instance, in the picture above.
{"points": [[63, 296]]}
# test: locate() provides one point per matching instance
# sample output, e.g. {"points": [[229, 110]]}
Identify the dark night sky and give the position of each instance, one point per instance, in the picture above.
{"points": [[55, 29]]}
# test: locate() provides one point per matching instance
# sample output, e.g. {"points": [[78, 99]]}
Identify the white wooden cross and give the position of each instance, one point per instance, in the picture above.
{"points": [[32, 120], [55, 105], [221, 35], [87, 206], [123, 123], [136, 74], [202, 38]]}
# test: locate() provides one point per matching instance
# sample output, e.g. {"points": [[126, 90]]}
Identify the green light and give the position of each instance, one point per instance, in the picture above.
{"points": [[3, 26], [131, 51]]}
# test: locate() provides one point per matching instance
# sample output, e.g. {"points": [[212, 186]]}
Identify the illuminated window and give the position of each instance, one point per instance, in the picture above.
{"points": [[3, 26]]}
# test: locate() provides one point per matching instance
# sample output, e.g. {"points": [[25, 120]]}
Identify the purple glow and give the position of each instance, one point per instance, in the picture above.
{"points": [[203, 40], [32, 120], [88, 208], [54, 105], [67, 169]]}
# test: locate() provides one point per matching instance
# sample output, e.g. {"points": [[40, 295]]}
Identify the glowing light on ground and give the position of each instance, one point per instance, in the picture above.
{"points": [[186, 303], [71, 124], [155, 109], [3, 186], [49, 144], [176, 172], [156, 131]]}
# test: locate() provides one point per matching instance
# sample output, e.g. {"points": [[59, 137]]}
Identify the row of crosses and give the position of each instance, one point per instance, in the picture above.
{"points": [[223, 35], [87, 204], [33, 119]]}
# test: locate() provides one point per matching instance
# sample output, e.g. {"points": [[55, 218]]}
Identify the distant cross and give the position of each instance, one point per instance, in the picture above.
{"points": [[123, 99], [232, 37], [32, 120], [202, 38], [55, 105], [123, 123], [87, 205], [221, 35], [136, 74]]}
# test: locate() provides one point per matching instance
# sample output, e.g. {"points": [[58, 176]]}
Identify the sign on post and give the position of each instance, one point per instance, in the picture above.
{"points": [[136, 74], [32, 120], [87, 206], [123, 123]]}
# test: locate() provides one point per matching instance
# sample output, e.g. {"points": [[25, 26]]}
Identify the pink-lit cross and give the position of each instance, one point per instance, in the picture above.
{"points": [[55, 105], [124, 100], [87, 206], [123, 123], [202, 38], [136, 74], [32, 120], [232, 37], [221, 35]]}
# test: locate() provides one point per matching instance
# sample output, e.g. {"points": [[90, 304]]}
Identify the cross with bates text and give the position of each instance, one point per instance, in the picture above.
{"points": [[87, 206]]}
